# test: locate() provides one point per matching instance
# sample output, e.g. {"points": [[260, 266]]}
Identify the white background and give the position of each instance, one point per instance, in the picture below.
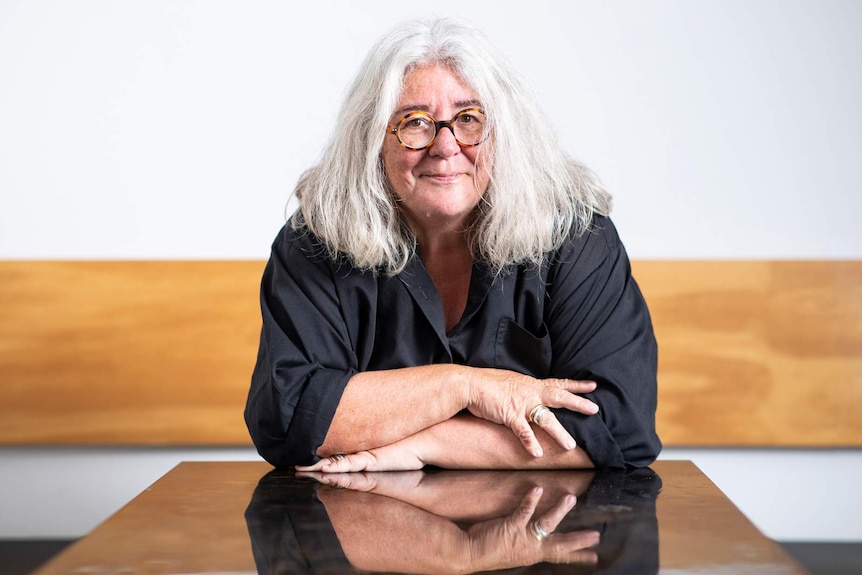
{"points": [[165, 129]]}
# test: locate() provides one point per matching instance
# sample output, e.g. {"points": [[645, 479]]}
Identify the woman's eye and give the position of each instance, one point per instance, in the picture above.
{"points": [[415, 123], [469, 119]]}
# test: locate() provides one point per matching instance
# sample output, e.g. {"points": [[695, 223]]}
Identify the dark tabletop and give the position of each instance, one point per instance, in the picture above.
{"points": [[245, 517]]}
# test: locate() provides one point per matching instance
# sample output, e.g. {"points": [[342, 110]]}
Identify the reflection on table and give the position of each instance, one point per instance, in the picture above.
{"points": [[456, 522], [243, 517]]}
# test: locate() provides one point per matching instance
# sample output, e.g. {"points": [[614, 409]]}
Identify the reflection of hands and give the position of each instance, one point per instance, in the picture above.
{"points": [[519, 539], [389, 484], [479, 495], [513, 525], [507, 398]]}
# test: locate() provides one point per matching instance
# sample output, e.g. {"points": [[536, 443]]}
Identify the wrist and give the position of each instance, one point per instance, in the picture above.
{"points": [[462, 385], [429, 445]]}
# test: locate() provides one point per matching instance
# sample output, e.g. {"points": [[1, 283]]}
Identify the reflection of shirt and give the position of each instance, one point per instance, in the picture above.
{"points": [[580, 316]]}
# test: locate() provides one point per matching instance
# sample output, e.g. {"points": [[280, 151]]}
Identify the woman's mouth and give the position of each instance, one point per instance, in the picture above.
{"points": [[444, 178]]}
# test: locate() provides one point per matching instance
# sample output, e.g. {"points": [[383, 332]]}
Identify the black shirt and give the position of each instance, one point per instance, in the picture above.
{"points": [[579, 316]]}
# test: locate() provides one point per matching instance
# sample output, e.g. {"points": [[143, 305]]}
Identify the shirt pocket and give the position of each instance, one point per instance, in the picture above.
{"points": [[519, 349]]}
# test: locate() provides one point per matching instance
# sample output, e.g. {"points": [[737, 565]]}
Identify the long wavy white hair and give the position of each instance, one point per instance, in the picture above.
{"points": [[536, 197]]}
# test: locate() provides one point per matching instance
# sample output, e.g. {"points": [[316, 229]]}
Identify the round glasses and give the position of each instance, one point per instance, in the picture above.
{"points": [[417, 130]]}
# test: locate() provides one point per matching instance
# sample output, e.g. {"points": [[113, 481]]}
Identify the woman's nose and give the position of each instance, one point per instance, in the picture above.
{"points": [[445, 143]]}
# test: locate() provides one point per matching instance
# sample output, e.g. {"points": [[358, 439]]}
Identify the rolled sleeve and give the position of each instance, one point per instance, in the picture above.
{"points": [[305, 357], [601, 330]]}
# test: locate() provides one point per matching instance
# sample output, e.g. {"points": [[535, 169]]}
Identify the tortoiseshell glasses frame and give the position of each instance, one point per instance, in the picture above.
{"points": [[417, 129]]}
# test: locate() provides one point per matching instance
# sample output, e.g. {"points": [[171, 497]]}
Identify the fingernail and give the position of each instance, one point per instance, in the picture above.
{"points": [[570, 444], [538, 452]]}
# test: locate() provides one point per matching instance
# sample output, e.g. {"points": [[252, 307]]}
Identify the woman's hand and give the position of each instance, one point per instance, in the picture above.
{"points": [[399, 456], [511, 398]]}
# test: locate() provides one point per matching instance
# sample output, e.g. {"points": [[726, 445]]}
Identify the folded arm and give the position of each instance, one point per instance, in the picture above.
{"points": [[380, 408], [461, 442]]}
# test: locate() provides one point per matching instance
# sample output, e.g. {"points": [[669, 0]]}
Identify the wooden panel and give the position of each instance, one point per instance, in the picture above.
{"points": [[114, 352], [757, 353], [752, 353]]}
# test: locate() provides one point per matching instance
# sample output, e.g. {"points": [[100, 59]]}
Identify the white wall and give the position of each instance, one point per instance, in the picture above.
{"points": [[176, 129]]}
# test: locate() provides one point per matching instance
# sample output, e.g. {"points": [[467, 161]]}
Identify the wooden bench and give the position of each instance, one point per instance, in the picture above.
{"points": [[752, 353]]}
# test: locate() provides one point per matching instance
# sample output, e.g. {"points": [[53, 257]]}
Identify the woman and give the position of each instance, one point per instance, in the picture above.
{"points": [[450, 291]]}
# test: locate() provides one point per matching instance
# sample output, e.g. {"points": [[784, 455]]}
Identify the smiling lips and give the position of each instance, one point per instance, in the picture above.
{"points": [[444, 178]]}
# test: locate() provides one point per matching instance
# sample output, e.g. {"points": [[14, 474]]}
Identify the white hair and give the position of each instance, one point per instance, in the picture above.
{"points": [[536, 197]]}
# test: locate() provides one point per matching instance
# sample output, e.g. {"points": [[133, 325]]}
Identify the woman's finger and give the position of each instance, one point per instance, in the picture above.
{"points": [[572, 547], [550, 520], [580, 386], [548, 422], [575, 385], [354, 481], [316, 475], [325, 461], [528, 505], [313, 467], [542, 527], [521, 428], [348, 463], [566, 399], [341, 463]]}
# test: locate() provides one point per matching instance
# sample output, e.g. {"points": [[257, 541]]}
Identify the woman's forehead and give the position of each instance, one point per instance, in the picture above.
{"points": [[433, 87]]}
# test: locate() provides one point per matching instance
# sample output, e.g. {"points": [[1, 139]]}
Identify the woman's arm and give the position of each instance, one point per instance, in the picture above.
{"points": [[379, 408], [461, 442]]}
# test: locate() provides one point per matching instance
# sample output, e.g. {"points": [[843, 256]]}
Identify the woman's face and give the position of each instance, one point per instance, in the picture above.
{"points": [[440, 186]]}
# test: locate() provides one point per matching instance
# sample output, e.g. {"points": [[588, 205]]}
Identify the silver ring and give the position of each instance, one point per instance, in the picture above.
{"points": [[336, 457], [537, 412], [539, 533]]}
